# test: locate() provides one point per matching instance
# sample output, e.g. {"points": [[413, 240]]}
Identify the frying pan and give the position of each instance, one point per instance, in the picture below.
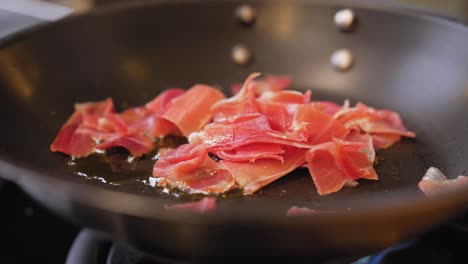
{"points": [[412, 63]]}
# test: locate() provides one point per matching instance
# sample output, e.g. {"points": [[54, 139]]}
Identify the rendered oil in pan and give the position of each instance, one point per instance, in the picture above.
{"points": [[117, 167]]}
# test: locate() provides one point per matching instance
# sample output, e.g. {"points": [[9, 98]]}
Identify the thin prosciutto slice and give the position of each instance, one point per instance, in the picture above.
{"points": [[315, 126], [136, 144], [286, 97], [153, 126], [75, 144], [301, 211], [190, 168], [341, 163], [191, 111], [255, 129], [252, 152], [327, 106], [245, 102], [162, 102], [386, 127], [251, 176], [205, 205], [94, 126], [278, 115], [151, 123], [267, 84]]}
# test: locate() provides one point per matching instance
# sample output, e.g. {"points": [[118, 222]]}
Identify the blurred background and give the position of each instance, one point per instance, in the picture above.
{"points": [[19, 14], [453, 8]]}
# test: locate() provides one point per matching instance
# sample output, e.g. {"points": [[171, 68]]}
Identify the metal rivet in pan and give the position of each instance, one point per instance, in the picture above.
{"points": [[342, 59], [344, 19], [246, 14], [241, 55]]}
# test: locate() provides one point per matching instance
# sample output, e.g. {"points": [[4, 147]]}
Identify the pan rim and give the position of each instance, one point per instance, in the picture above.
{"points": [[395, 206]]}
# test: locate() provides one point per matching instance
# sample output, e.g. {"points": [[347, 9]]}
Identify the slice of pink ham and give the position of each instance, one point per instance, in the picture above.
{"points": [[192, 110], [338, 164], [269, 83], [251, 176], [278, 115], [133, 114], [381, 123], [96, 108], [205, 205], [435, 183], [154, 126], [151, 124], [75, 144], [96, 126], [384, 140], [252, 152], [240, 104], [327, 106], [325, 172], [136, 144], [300, 211], [285, 97], [274, 83], [315, 126], [355, 159], [148, 120], [69, 142], [190, 168], [255, 129], [109, 123], [161, 103]]}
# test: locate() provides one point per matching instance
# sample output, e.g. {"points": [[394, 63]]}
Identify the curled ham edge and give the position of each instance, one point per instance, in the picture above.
{"points": [[303, 211]]}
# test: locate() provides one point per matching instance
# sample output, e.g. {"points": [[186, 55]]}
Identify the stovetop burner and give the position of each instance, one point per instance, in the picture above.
{"points": [[446, 245], [91, 247]]}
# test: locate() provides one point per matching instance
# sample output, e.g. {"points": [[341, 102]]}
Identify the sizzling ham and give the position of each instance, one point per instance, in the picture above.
{"points": [[205, 205], [249, 140], [340, 163], [269, 83], [192, 110], [385, 127], [75, 144], [190, 168], [136, 144], [95, 126], [301, 211], [251, 176]]}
